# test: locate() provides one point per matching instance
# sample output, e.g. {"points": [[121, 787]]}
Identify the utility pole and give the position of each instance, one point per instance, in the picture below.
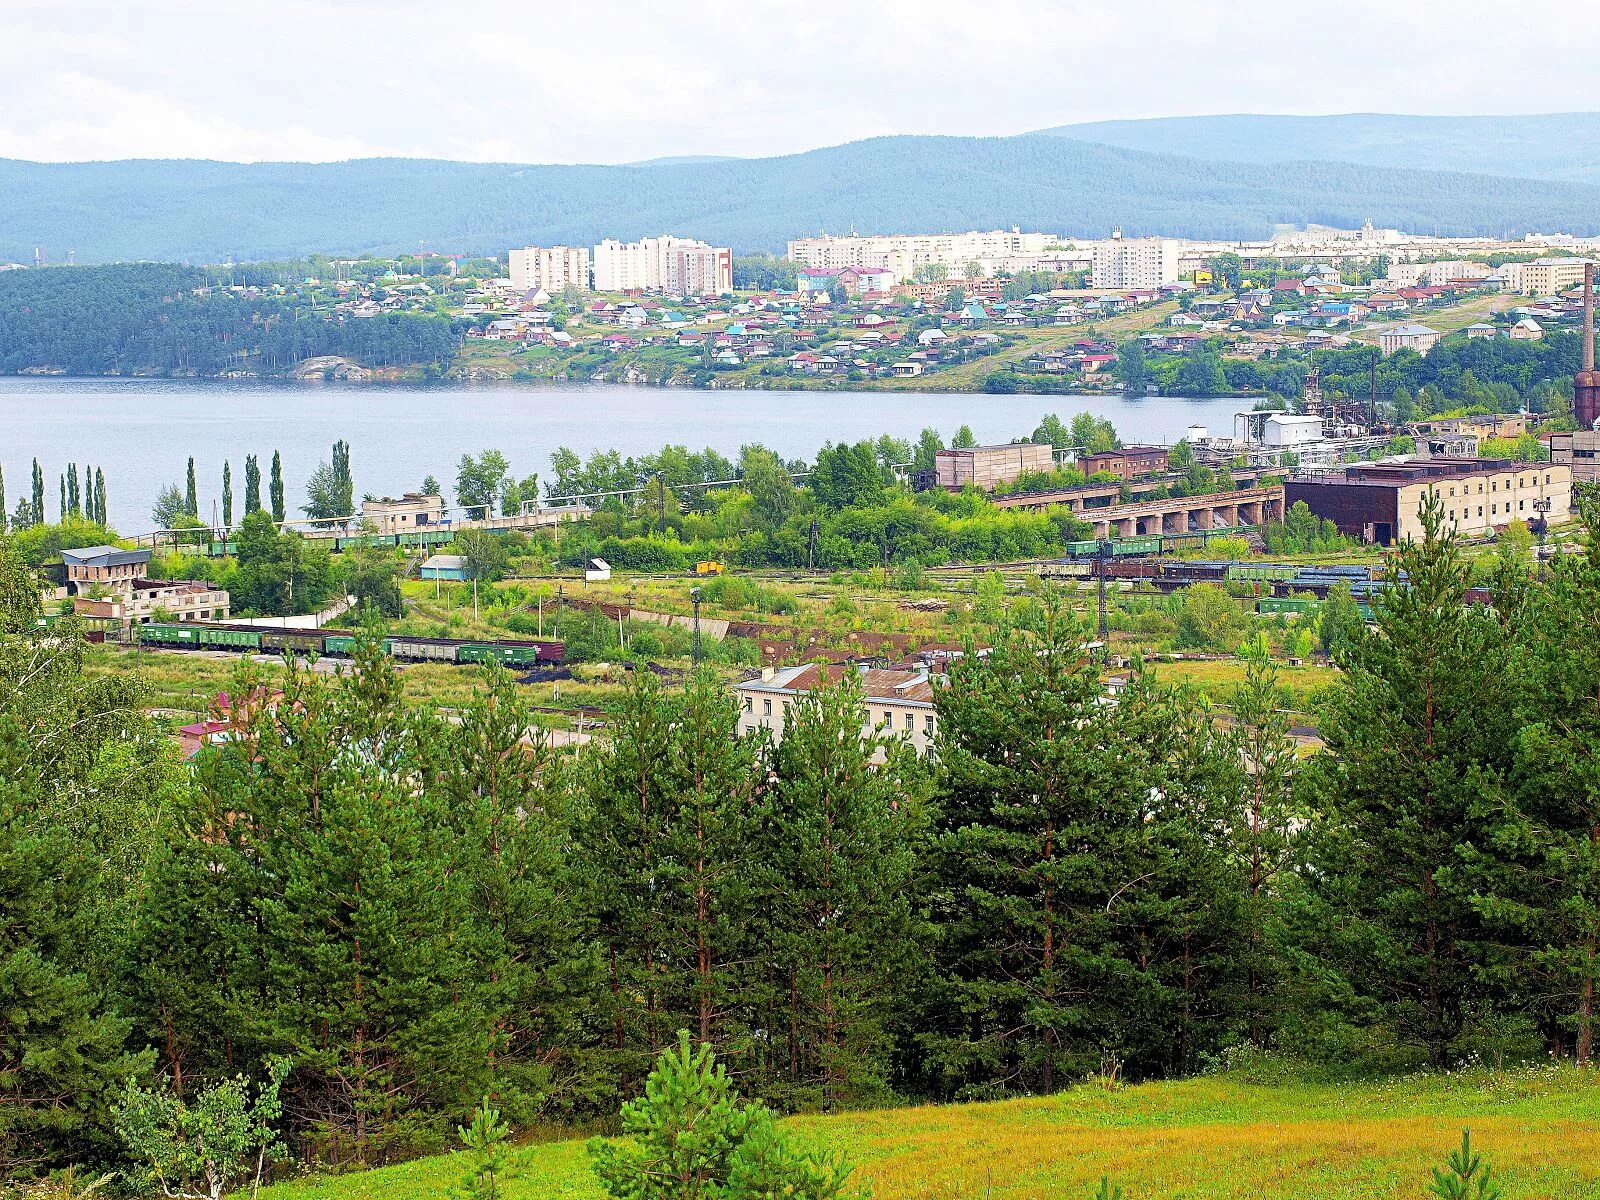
{"points": [[1102, 556], [694, 596]]}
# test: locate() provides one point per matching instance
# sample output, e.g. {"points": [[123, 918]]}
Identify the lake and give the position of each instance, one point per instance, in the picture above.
{"points": [[142, 432]]}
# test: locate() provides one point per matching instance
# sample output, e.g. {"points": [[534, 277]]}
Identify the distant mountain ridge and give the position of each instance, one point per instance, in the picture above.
{"points": [[1541, 146], [195, 210]]}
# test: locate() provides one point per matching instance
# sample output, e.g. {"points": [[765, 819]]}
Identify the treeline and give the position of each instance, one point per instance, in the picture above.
{"points": [[421, 912], [145, 318]]}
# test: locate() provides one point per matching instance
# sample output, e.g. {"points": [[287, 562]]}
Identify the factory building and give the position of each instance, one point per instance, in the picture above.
{"points": [[1130, 462], [1382, 502], [988, 466]]}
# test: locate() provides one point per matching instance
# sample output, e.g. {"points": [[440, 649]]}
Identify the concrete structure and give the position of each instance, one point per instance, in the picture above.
{"points": [[553, 268], [1579, 452], [1135, 262], [1586, 383], [1187, 514], [681, 266], [906, 253], [895, 701], [1550, 276], [1284, 431], [1381, 502], [1130, 462], [1408, 337], [413, 511], [987, 466], [108, 584]]}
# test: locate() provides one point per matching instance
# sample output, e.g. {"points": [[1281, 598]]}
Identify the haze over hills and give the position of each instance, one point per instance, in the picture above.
{"points": [[194, 210], [1543, 146]]}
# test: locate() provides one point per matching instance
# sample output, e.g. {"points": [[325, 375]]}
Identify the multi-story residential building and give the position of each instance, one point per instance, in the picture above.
{"points": [[553, 268], [108, 584], [906, 253], [1382, 502], [1135, 262], [663, 264], [1550, 276], [894, 700], [1408, 337]]}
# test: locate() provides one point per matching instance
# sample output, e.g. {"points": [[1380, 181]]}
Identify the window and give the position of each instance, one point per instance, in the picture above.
{"points": [[749, 704], [927, 724], [910, 721], [766, 708]]}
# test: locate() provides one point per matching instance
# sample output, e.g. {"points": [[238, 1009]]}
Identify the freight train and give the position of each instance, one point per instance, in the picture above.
{"points": [[195, 635]]}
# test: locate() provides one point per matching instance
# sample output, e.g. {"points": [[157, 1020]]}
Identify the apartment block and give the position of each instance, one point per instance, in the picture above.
{"points": [[553, 268], [1135, 263], [906, 253], [663, 264], [1551, 276]]}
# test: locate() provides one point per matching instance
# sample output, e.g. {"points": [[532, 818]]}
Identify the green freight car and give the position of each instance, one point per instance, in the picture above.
{"points": [[344, 644], [292, 641], [225, 637], [511, 656], [163, 633], [1292, 605]]}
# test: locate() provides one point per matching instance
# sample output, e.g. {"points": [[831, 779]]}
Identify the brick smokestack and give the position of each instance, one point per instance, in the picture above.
{"points": [[1586, 386]]}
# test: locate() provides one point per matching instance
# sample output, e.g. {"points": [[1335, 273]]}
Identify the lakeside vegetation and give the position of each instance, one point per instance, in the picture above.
{"points": [[1153, 910]]}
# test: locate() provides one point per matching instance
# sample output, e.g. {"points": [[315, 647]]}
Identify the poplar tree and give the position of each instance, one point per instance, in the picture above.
{"points": [[3, 517], [277, 488], [227, 494], [74, 494], [1420, 732], [191, 496], [100, 496], [63, 509], [38, 493], [252, 485], [842, 930]]}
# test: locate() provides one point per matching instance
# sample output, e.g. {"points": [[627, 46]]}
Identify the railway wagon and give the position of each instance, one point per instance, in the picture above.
{"points": [[512, 654], [343, 645], [292, 641], [1293, 605], [169, 633], [230, 637], [423, 649]]}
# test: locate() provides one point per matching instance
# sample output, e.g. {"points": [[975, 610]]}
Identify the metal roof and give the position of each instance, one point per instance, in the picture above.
{"points": [[104, 556]]}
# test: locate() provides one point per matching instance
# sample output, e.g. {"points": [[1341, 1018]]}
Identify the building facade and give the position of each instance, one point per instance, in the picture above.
{"points": [[1135, 263], [108, 584], [988, 466], [894, 701], [1382, 502], [1408, 337], [1550, 276], [413, 511], [906, 253], [1579, 452], [553, 268], [1130, 462], [663, 264]]}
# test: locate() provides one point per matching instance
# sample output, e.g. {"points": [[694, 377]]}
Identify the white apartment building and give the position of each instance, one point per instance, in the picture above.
{"points": [[1551, 276], [1436, 274], [894, 701], [553, 268], [905, 253], [663, 264], [1135, 262]]}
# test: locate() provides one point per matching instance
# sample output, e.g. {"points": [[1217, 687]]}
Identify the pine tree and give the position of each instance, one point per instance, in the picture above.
{"points": [[842, 929], [252, 485], [1420, 732], [278, 510], [1089, 914], [191, 496]]}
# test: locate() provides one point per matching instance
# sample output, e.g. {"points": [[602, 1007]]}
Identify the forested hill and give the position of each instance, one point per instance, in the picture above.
{"points": [[207, 211], [146, 318], [1543, 146]]}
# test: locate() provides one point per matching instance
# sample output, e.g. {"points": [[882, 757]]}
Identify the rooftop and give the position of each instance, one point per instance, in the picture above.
{"points": [[104, 556], [878, 683]]}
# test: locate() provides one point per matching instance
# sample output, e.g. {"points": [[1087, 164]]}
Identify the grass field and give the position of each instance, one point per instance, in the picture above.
{"points": [[1215, 1138]]}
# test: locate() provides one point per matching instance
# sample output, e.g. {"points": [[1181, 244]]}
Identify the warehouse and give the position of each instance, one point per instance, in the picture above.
{"points": [[1381, 502], [987, 467]]}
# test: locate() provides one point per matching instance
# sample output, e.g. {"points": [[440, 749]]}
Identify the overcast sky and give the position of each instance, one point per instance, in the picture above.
{"points": [[622, 80]]}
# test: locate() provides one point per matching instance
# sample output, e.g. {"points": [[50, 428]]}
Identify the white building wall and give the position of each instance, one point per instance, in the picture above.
{"points": [[553, 268], [1136, 263]]}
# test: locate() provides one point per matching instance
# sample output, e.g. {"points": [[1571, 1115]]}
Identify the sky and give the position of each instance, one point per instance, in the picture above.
{"points": [[613, 81]]}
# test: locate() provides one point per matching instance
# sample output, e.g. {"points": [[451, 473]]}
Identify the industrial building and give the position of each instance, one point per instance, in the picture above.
{"points": [[413, 511], [987, 467], [1130, 462], [1382, 502], [894, 700], [107, 583]]}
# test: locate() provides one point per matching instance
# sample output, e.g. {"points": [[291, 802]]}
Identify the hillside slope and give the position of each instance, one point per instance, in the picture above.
{"points": [[1545, 146], [1214, 1138], [206, 211]]}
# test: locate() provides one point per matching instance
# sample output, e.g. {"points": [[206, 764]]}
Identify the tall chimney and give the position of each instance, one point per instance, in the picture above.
{"points": [[1586, 384], [1588, 316]]}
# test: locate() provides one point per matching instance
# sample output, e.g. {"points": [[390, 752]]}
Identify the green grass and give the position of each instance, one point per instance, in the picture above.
{"points": [[1213, 1138]]}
